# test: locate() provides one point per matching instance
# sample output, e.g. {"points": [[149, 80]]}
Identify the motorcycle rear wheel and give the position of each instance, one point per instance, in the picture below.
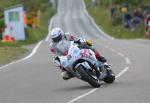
{"points": [[86, 76]]}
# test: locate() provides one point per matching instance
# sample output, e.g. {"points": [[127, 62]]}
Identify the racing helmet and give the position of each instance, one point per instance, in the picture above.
{"points": [[56, 34]]}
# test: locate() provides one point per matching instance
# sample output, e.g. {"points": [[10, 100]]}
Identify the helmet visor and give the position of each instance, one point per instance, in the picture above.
{"points": [[57, 39]]}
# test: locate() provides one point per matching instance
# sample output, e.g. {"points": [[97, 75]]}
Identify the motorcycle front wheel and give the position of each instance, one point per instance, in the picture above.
{"points": [[88, 77], [110, 76]]}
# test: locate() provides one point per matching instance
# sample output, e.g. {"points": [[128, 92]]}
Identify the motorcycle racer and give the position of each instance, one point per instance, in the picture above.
{"points": [[58, 46]]}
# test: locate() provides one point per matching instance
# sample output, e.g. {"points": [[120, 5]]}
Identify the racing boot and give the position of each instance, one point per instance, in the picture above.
{"points": [[66, 75], [102, 59]]}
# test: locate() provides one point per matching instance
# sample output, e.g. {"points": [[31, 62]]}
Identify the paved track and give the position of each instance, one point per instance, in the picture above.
{"points": [[35, 79]]}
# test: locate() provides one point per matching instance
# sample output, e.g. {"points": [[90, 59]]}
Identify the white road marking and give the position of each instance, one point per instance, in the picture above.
{"points": [[143, 39], [121, 54], [27, 57], [106, 46], [122, 72], [127, 60], [84, 95], [101, 31], [93, 90], [113, 50]]}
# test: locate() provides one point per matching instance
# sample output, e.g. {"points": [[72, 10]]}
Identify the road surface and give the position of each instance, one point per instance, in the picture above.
{"points": [[35, 79]]}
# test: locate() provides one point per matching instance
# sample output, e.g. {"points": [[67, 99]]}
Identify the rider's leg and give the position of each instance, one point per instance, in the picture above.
{"points": [[65, 75], [99, 57]]}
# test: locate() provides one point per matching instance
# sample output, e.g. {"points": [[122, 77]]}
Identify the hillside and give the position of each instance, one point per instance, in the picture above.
{"points": [[112, 17]]}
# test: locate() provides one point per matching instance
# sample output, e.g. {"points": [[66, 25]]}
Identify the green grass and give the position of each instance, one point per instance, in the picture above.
{"points": [[7, 54], [33, 35], [101, 16], [6, 3], [9, 44], [11, 51]]}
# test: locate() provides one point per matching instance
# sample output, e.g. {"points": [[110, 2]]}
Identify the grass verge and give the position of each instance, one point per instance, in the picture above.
{"points": [[101, 16], [13, 51], [7, 54]]}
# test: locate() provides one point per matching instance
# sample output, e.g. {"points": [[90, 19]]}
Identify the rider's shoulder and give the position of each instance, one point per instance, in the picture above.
{"points": [[67, 33], [52, 44]]}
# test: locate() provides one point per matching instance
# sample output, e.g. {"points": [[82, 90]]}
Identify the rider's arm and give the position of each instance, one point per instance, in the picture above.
{"points": [[52, 48], [71, 37], [77, 40], [55, 50], [74, 38]]}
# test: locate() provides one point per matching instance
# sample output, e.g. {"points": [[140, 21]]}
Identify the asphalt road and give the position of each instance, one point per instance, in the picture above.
{"points": [[35, 79]]}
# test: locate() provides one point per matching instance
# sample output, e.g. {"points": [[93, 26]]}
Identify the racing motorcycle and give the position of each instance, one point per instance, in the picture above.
{"points": [[82, 63]]}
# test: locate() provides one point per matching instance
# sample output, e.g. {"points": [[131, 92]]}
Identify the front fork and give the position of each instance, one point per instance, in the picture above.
{"points": [[103, 67]]}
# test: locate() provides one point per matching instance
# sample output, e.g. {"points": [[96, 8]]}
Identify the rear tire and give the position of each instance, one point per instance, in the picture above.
{"points": [[85, 75]]}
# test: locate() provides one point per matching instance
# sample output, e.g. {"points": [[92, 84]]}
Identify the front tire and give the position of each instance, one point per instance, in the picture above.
{"points": [[110, 76], [86, 76]]}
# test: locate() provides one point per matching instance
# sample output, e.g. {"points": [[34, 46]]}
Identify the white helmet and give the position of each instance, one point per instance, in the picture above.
{"points": [[56, 34]]}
